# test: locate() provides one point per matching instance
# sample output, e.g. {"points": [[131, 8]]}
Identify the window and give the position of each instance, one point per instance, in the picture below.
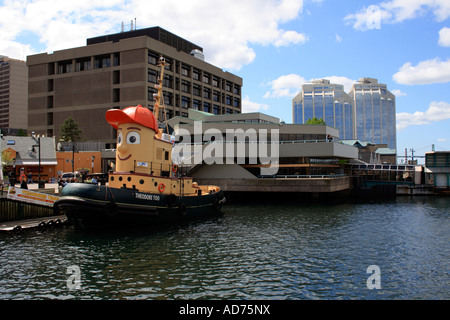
{"points": [[185, 102], [206, 107], [185, 70], [168, 81], [196, 74], [150, 92], [215, 82], [196, 104], [103, 61], [117, 59], [216, 96], [152, 76], [168, 98], [197, 90], [207, 93], [168, 66], [83, 64], [50, 85], [50, 102], [116, 77], [64, 67], [186, 86], [153, 58], [116, 95], [206, 78]]}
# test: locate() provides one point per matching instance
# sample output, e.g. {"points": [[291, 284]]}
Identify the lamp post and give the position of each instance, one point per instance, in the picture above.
{"points": [[1, 163], [39, 156], [92, 163]]}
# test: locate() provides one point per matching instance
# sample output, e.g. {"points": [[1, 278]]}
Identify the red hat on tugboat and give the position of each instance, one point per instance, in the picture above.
{"points": [[138, 114]]}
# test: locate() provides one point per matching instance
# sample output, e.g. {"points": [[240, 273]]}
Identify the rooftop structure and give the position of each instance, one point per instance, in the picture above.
{"points": [[246, 151], [121, 70], [13, 95]]}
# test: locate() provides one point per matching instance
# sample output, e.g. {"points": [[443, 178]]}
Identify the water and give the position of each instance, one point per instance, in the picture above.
{"points": [[270, 251]]}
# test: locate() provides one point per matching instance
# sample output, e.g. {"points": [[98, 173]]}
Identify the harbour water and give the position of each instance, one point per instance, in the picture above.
{"points": [[289, 251]]}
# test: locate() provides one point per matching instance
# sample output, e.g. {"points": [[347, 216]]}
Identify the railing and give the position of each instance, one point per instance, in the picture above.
{"points": [[302, 176], [11, 210], [389, 167], [256, 142], [158, 168]]}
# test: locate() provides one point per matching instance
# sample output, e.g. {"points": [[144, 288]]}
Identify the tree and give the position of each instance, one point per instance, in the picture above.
{"points": [[316, 121], [7, 159], [69, 131]]}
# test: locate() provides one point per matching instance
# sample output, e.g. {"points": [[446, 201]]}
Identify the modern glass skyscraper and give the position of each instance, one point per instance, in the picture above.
{"points": [[374, 113], [327, 101]]}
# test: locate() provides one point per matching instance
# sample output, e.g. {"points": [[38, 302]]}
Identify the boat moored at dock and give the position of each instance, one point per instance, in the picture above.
{"points": [[146, 185]]}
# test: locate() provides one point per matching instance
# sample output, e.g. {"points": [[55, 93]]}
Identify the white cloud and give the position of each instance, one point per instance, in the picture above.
{"points": [[249, 106], [226, 41], [290, 37], [290, 85], [441, 139], [395, 11], [398, 93], [285, 86], [338, 38], [437, 111], [444, 37], [426, 72]]}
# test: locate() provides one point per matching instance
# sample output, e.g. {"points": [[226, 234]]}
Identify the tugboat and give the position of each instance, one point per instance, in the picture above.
{"points": [[146, 186]]}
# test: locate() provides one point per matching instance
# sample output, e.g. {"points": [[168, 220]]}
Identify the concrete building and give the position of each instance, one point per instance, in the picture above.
{"points": [[120, 70], [374, 113], [327, 101], [373, 153], [437, 169], [307, 158], [13, 95]]}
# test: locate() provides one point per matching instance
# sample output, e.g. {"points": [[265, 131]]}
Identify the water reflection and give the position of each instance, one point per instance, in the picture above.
{"points": [[294, 251]]}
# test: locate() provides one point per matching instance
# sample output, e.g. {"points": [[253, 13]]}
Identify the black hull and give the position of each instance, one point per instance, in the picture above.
{"points": [[88, 206]]}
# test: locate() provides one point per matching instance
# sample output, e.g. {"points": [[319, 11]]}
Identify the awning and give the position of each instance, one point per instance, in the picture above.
{"points": [[35, 163]]}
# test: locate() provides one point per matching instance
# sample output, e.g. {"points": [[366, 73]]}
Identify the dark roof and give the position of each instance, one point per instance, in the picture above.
{"points": [[24, 146], [156, 33]]}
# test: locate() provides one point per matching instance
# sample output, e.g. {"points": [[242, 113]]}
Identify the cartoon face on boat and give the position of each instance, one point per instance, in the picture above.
{"points": [[136, 128]]}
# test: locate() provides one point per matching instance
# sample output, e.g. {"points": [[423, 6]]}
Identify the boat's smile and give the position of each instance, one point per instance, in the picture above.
{"points": [[123, 159]]}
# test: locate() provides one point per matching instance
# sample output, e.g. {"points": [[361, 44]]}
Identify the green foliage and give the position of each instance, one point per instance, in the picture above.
{"points": [[316, 121], [21, 133], [69, 131]]}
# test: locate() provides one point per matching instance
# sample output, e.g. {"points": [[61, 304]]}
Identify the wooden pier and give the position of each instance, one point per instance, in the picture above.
{"points": [[29, 209], [20, 226]]}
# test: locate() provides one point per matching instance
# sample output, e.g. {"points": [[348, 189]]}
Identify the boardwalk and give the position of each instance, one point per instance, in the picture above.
{"points": [[19, 226]]}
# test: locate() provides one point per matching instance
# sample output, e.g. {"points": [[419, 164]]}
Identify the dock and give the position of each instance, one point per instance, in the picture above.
{"points": [[20, 226], [30, 209]]}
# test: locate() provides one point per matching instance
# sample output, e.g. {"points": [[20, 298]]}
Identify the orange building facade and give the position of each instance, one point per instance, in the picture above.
{"points": [[83, 160]]}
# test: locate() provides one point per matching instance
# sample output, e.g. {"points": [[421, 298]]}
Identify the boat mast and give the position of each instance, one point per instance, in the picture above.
{"points": [[159, 97]]}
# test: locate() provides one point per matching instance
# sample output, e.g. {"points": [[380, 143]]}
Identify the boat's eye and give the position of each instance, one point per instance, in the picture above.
{"points": [[133, 137], [119, 138]]}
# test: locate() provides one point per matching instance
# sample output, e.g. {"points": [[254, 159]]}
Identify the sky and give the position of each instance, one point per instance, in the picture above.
{"points": [[276, 46]]}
